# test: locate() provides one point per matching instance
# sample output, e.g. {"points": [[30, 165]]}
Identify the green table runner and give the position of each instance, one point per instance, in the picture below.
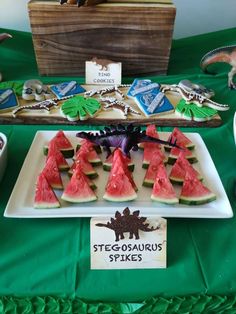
{"points": [[45, 263]]}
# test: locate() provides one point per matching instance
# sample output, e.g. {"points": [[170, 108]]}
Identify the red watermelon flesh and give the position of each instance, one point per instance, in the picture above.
{"points": [[178, 170], [56, 153], [119, 188], [163, 190], [152, 132], [90, 152], [77, 168], [151, 172], [52, 173], [78, 189], [194, 192], [149, 152], [85, 165], [63, 144], [181, 139], [44, 195], [174, 154], [107, 164], [120, 161]]}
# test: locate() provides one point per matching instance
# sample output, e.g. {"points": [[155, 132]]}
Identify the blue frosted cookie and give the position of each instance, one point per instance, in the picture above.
{"points": [[149, 98], [67, 89], [8, 99]]}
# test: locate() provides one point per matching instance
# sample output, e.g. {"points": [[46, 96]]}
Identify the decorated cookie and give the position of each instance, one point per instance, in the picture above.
{"points": [[35, 90], [8, 99], [149, 98], [67, 89], [191, 111], [197, 88], [80, 108]]}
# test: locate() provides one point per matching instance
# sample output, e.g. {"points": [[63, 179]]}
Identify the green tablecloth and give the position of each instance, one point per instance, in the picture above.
{"points": [[45, 263]]}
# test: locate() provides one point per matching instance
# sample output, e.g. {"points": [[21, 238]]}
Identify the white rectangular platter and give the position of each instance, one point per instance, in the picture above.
{"points": [[20, 204]]}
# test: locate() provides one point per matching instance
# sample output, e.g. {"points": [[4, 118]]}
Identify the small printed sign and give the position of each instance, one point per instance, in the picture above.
{"points": [[115, 250], [102, 72]]}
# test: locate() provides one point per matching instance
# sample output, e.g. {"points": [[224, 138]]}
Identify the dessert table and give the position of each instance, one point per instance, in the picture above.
{"points": [[45, 263]]}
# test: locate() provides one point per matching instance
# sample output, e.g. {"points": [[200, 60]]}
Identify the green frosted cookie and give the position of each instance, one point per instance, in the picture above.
{"points": [[80, 108], [193, 112]]}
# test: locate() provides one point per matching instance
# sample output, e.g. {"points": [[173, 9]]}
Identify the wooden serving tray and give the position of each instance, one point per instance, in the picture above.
{"points": [[105, 117]]}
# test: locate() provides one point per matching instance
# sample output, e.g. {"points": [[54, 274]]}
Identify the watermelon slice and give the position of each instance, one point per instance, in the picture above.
{"points": [[181, 140], [78, 189], [44, 194], [63, 144], [194, 192], [88, 148], [174, 154], [119, 188], [163, 190], [178, 170], [78, 167], [151, 131], [120, 161], [150, 175], [96, 147], [107, 164], [52, 173], [149, 152], [86, 166], [56, 153]]}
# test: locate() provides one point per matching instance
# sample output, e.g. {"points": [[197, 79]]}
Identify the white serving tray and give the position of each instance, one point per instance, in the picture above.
{"points": [[20, 204]]}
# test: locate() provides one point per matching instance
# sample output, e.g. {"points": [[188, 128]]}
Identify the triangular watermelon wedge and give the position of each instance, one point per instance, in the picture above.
{"points": [[181, 140], [151, 172], [44, 195], [148, 154], [77, 167], [78, 189], [82, 159], [63, 144], [107, 164], [88, 148], [152, 132], [163, 190], [119, 188], [52, 173], [179, 169], [119, 160], [174, 154], [60, 159], [194, 192]]}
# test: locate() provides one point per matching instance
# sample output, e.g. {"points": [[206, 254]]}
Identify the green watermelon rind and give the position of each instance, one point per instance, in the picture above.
{"points": [[169, 201], [131, 197], [148, 183], [188, 146], [197, 200], [107, 166], [172, 159], [45, 205], [78, 200], [180, 181], [91, 175], [67, 152]]}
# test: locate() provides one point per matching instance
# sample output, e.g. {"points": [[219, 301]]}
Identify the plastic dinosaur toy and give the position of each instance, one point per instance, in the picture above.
{"points": [[225, 54], [125, 138], [127, 222]]}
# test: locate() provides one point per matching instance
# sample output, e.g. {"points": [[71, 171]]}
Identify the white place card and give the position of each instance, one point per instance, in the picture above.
{"points": [[149, 251], [102, 72]]}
